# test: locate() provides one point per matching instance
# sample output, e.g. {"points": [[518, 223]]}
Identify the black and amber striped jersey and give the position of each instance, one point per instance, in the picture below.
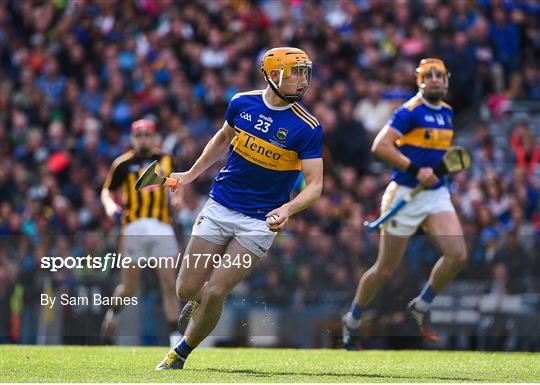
{"points": [[148, 204]]}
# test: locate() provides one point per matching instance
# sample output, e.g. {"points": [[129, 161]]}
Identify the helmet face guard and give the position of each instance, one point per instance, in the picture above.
{"points": [[433, 68], [287, 61]]}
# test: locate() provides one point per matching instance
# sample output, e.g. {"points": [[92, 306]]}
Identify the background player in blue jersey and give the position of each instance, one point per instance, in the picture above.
{"points": [[270, 138], [414, 142]]}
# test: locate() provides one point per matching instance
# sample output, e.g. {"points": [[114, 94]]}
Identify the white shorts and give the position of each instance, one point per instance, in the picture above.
{"points": [[407, 220], [149, 237], [219, 224]]}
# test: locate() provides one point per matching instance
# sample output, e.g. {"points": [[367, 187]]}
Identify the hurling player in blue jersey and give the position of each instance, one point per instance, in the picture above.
{"points": [[269, 138], [414, 142]]}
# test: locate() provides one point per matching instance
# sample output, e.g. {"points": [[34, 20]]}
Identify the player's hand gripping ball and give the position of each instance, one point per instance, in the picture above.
{"points": [[271, 221]]}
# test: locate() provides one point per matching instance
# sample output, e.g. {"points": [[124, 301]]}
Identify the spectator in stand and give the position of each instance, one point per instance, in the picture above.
{"points": [[526, 150], [505, 34], [373, 111]]}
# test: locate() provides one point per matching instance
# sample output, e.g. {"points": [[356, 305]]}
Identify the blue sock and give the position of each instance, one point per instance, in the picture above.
{"points": [[427, 294], [356, 312], [183, 349]]}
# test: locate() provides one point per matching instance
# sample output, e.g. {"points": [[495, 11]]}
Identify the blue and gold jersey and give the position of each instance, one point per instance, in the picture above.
{"points": [[426, 135], [265, 156]]}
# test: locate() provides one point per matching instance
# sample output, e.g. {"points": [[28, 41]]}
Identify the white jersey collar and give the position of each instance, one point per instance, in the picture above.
{"points": [[275, 108]]}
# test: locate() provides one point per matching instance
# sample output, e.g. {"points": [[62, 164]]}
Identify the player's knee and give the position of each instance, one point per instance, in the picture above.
{"points": [[186, 291], [214, 294], [459, 256], [457, 253], [384, 273]]}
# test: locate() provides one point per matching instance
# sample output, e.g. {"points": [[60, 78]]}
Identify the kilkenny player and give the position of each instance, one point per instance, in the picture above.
{"points": [[269, 137], [146, 223], [414, 141]]}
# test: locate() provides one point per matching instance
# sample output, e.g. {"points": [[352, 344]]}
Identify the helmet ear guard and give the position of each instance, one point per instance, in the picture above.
{"points": [[269, 79]]}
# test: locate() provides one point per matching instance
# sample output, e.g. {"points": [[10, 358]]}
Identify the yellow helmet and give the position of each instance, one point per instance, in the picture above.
{"points": [[428, 65], [284, 59]]}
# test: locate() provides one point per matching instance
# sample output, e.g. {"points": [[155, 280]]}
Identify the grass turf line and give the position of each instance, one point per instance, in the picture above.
{"points": [[136, 364]]}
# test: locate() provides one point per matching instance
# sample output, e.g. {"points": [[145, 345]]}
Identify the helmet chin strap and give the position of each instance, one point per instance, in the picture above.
{"points": [[275, 88]]}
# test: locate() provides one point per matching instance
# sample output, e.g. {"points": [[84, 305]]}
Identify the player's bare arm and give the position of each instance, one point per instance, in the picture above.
{"points": [[214, 150], [107, 199], [313, 173], [384, 147]]}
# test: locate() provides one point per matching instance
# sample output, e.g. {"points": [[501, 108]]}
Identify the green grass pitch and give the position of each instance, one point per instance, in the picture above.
{"points": [[136, 364]]}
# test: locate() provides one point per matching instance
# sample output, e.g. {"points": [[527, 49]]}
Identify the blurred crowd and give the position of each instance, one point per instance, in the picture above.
{"points": [[74, 74]]}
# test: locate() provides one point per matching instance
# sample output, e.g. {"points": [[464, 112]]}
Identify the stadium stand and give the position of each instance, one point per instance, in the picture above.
{"points": [[73, 75]]}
